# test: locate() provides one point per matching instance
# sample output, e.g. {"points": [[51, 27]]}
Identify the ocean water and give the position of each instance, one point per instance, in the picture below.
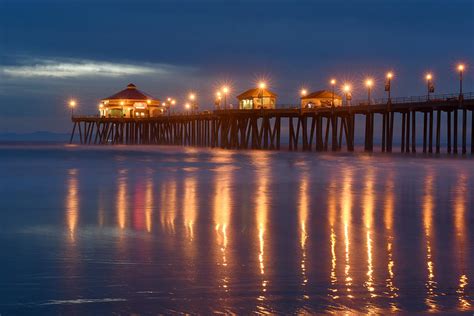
{"points": [[147, 230]]}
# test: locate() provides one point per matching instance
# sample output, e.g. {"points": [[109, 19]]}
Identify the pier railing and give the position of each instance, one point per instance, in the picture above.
{"points": [[438, 98], [449, 97]]}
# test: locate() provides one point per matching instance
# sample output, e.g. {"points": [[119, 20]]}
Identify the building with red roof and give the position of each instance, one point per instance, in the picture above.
{"points": [[131, 103]]}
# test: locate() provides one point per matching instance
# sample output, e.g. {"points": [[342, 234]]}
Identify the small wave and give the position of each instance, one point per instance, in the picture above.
{"points": [[84, 301]]}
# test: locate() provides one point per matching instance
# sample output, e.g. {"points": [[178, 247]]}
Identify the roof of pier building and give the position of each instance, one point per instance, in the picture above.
{"points": [[256, 93], [321, 94], [132, 93]]}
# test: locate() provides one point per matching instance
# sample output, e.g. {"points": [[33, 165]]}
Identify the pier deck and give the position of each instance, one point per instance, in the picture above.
{"points": [[317, 129]]}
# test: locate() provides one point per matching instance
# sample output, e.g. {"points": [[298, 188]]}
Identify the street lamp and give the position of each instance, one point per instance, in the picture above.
{"points": [[369, 83], [225, 91], [262, 85], [303, 93], [388, 85], [347, 92], [429, 84], [72, 105], [187, 106], [169, 102], [218, 99], [192, 98], [333, 85], [461, 68]]}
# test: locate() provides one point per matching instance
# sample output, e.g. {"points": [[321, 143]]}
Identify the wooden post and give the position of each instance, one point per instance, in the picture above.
{"points": [[384, 130], [319, 133], [403, 132], [334, 132], [464, 126], [326, 138], [278, 120], [430, 136], [425, 126], [455, 131], [408, 133], [438, 130], [291, 134], [304, 134], [472, 131], [72, 134], [413, 132], [367, 127], [372, 123], [392, 117], [449, 131]]}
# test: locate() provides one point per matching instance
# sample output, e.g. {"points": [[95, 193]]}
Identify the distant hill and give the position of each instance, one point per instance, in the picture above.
{"points": [[40, 136]]}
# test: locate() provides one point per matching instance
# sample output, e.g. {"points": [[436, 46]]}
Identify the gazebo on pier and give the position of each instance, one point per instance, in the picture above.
{"points": [[131, 103], [257, 98], [321, 98]]}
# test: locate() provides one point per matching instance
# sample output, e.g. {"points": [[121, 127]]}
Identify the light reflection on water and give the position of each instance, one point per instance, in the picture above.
{"points": [[238, 232], [428, 206]]}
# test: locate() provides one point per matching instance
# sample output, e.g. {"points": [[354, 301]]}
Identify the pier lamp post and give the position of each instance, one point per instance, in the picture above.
{"points": [[388, 85], [72, 105], [333, 85], [461, 70], [429, 85], [218, 100], [187, 106], [163, 104], [225, 91], [347, 93], [173, 102], [303, 92], [192, 98], [262, 85], [369, 83]]}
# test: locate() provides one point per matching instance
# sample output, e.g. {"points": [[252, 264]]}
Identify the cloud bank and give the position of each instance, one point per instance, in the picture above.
{"points": [[51, 68]]}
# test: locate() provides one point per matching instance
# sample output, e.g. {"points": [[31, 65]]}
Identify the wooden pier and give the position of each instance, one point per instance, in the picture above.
{"points": [[319, 129]]}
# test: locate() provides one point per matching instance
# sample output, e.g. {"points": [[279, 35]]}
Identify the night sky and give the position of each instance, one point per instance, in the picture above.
{"points": [[51, 51]]}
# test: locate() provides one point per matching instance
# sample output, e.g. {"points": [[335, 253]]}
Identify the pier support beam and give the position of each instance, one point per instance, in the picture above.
{"points": [[449, 131], [403, 132], [464, 126], [455, 132]]}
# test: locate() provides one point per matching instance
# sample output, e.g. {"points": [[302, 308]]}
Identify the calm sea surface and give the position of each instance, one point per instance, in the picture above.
{"points": [[97, 230]]}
